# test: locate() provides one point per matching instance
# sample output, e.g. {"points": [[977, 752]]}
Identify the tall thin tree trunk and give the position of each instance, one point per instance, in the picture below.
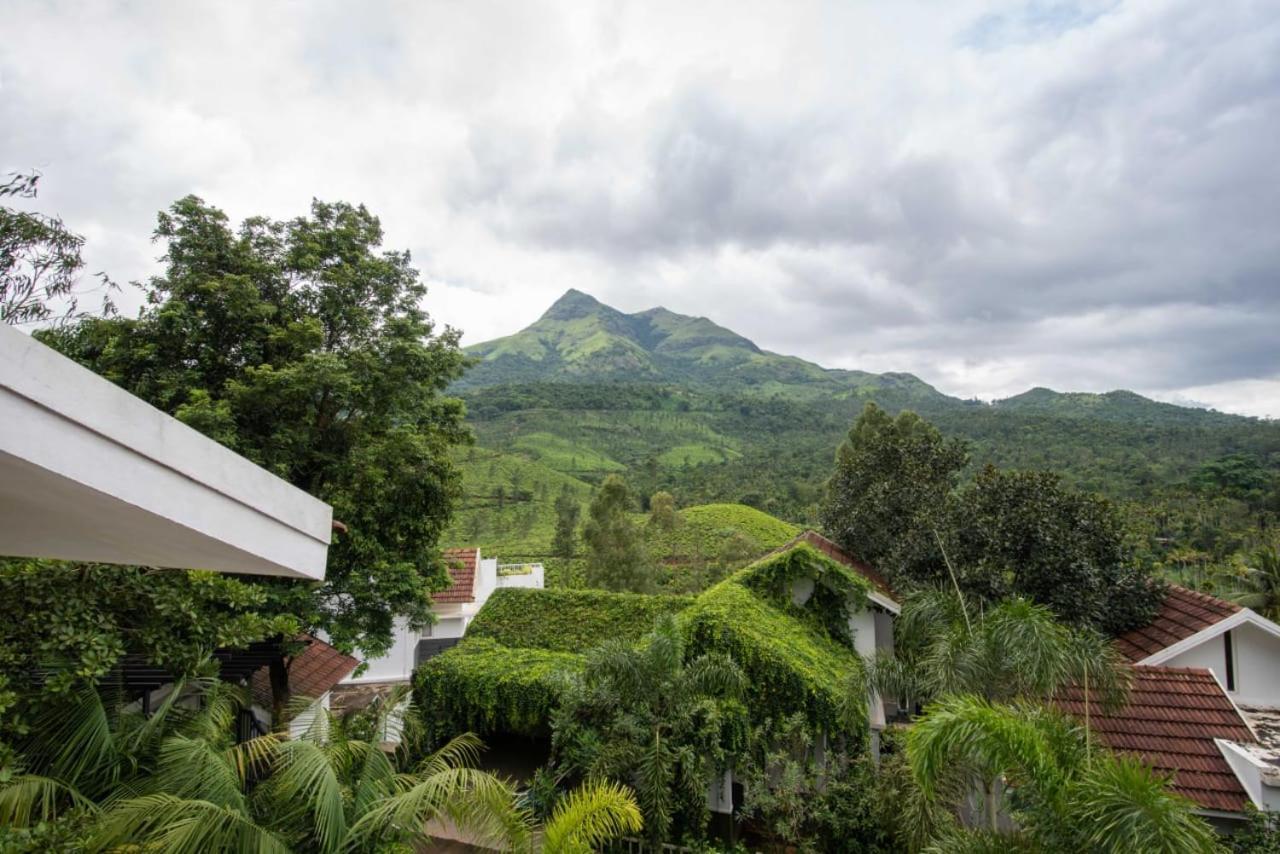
{"points": [[278, 670]]}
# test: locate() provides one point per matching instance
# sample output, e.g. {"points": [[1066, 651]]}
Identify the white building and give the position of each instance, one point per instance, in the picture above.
{"points": [[474, 579], [89, 472]]}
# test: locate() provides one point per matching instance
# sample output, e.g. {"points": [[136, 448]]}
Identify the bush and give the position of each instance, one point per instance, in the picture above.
{"points": [[565, 620], [481, 686]]}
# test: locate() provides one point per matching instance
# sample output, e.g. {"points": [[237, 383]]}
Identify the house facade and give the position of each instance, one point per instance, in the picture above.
{"points": [[475, 577], [1204, 706]]}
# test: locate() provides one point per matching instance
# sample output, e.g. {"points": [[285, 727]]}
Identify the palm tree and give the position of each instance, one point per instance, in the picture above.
{"points": [[643, 715], [1062, 795], [1013, 649], [178, 780], [588, 818], [1261, 582]]}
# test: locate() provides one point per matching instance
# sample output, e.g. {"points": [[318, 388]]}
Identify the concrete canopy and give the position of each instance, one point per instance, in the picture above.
{"points": [[90, 472]]}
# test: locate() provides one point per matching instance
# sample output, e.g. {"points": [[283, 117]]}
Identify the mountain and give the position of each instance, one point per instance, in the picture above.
{"points": [[681, 403], [582, 340]]}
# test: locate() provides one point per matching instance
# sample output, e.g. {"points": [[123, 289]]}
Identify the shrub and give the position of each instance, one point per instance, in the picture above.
{"points": [[481, 686], [566, 620]]}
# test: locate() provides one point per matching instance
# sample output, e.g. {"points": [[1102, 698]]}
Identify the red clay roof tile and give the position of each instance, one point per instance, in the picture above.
{"points": [[1172, 716], [312, 672], [462, 569], [839, 555], [1182, 614]]}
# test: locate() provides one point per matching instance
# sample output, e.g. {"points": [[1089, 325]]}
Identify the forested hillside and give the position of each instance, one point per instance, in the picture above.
{"points": [[681, 404]]}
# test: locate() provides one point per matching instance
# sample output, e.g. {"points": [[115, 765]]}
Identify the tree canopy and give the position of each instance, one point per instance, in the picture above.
{"points": [[615, 559], [302, 345]]}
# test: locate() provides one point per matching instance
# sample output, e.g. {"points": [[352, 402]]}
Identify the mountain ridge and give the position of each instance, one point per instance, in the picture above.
{"points": [[580, 339]]}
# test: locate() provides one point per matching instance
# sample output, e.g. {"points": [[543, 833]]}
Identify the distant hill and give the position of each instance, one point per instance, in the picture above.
{"points": [[680, 403], [581, 340]]}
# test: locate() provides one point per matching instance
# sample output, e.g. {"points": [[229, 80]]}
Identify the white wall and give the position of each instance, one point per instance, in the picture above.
{"points": [[90, 472], [397, 664], [1257, 664], [1258, 777]]}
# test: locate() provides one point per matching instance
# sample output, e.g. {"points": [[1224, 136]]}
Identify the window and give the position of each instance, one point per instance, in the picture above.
{"points": [[1231, 660]]}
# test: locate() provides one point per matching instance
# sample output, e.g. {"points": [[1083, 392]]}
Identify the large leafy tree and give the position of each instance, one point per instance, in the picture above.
{"points": [[895, 501], [40, 262], [303, 346], [615, 545], [1023, 533], [645, 716], [887, 498]]}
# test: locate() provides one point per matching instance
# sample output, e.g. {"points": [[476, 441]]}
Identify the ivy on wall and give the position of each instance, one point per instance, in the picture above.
{"points": [[481, 686], [569, 620], [799, 659]]}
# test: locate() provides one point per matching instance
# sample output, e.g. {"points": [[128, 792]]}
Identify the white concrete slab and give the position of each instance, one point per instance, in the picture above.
{"points": [[90, 472]]}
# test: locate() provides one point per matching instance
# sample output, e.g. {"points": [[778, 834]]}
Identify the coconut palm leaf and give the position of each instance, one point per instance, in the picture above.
{"points": [[178, 826], [473, 800], [29, 796], [588, 818], [1121, 805], [305, 792]]}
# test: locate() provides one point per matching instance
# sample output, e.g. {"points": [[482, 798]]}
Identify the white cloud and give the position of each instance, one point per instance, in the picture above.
{"points": [[991, 195]]}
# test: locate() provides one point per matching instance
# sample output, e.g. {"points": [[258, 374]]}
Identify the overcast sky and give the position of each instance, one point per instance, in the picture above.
{"points": [[992, 196]]}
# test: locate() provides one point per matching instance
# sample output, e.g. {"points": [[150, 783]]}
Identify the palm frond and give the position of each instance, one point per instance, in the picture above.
{"points": [[462, 751], [178, 826], [29, 796], [194, 769], [1122, 805], [305, 791], [473, 800], [589, 817]]}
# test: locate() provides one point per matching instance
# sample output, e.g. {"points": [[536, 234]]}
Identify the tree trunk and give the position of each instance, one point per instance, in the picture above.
{"points": [[993, 812], [279, 673]]}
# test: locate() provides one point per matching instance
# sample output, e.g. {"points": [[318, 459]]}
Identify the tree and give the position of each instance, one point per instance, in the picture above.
{"points": [[1020, 533], [40, 262], [1013, 650], [179, 781], [1068, 796], [889, 491], [1261, 582], [662, 511], [85, 618], [564, 542], [615, 550], [302, 345], [644, 715]]}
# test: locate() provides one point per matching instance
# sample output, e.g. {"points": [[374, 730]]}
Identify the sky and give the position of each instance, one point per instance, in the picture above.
{"points": [[990, 195]]}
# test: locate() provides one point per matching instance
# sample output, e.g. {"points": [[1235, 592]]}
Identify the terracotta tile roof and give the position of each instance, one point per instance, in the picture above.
{"points": [[1172, 716], [312, 672], [1183, 614], [839, 555], [462, 568]]}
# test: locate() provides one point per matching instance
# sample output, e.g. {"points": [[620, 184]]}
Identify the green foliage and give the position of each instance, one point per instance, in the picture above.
{"points": [[302, 346], [1024, 534], [81, 619], [481, 686], [1260, 836], [561, 454], [40, 262], [565, 540], [793, 662], [702, 529], [1068, 798], [652, 715], [615, 551], [589, 817], [1007, 651], [568, 620], [662, 511], [889, 491], [811, 800]]}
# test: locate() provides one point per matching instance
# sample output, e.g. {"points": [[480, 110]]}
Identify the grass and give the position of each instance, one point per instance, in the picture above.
{"points": [[696, 454], [703, 530]]}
